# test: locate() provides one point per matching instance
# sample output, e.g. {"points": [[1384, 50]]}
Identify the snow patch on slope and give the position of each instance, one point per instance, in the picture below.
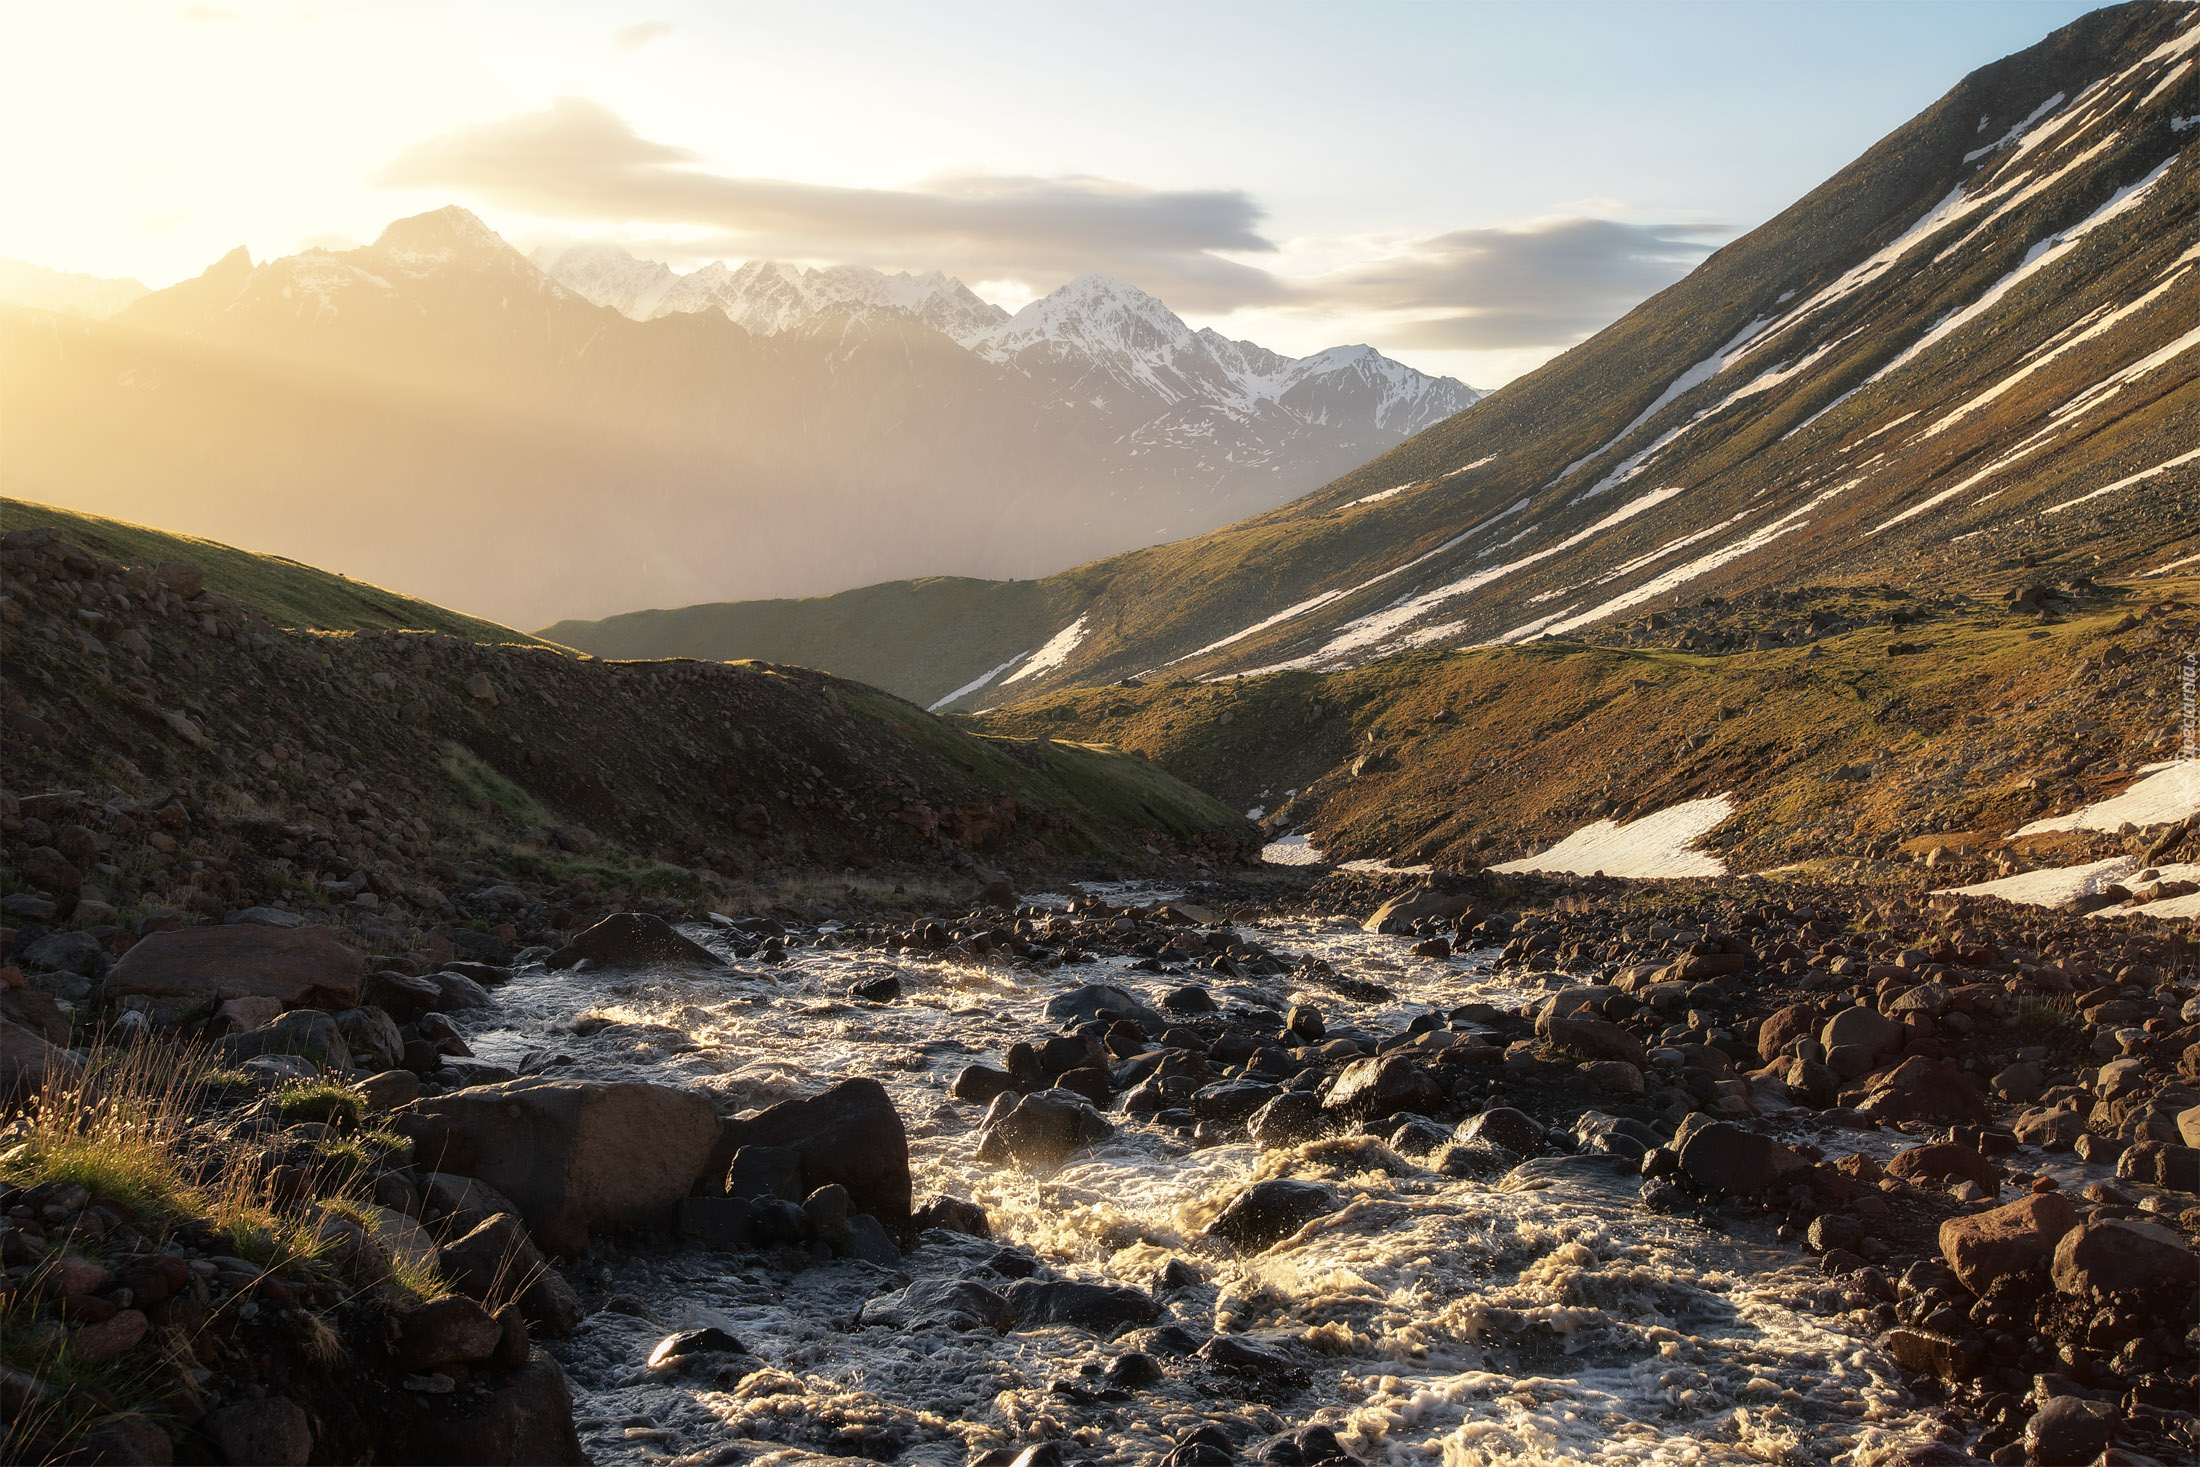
{"points": [[2169, 792], [1659, 844]]}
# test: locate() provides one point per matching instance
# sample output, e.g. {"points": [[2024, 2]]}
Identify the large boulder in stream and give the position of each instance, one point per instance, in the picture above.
{"points": [[1090, 1001], [1266, 1213], [851, 1135], [574, 1156], [632, 940], [1039, 1129]]}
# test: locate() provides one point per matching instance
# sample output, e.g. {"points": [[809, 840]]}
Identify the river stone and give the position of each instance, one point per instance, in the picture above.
{"points": [[1267, 1212], [864, 1238], [307, 1033], [372, 1033], [1921, 1089], [1785, 1026], [1040, 1129], [1091, 1001], [304, 967], [452, 1330], [1292, 1117], [26, 1059], [1502, 1126], [955, 1304], [575, 1156], [510, 1418], [2069, 1431], [1867, 1029], [1383, 1085], [1944, 1161], [271, 1432], [1232, 1100], [631, 940], [456, 992], [498, 1259], [462, 1203], [1400, 913], [1102, 1308], [2160, 1164], [1987, 1246], [980, 1083], [850, 1134], [2121, 1256], [1725, 1159], [1594, 1039]]}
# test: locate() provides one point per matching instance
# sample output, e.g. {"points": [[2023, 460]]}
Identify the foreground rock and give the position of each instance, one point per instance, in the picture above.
{"points": [[300, 967], [850, 1136], [575, 1157]]}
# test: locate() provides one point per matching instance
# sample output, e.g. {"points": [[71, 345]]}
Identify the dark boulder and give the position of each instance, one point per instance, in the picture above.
{"points": [[851, 1134], [632, 939], [1267, 1212]]}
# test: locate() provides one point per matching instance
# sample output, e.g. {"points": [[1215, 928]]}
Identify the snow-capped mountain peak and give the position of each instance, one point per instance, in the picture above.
{"points": [[1096, 342]]}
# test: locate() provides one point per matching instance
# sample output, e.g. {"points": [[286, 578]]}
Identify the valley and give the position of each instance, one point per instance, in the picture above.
{"points": [[1056, 889]]}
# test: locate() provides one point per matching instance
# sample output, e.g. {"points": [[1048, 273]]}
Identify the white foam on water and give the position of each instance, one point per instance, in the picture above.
{"points": [[1541, 1318], [1659, 844]]}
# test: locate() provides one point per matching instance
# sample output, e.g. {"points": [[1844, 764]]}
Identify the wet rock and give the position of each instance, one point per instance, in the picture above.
{"points": [[302, 966], [864, 1239], [2120, 1256], [453, 1330], [1305, 1024], [1726, 1160], [1292, 1117], [1102, 1308], [980, 1083], [271, 1432], [401, 995], [685, 1345], [1383, 1085], [1305, 1447], [1929, 1352], [1398, 915], [1232, 1100], [2069, 1431], [1133, 1371], [954, 1215], [1267, 1212], [1190, 999], [953, 1304], [850, 1135], [1040, 1129], [1987, 1246], [1092, 1001], [876, 990], [828, 1208], [574, 1156], [1921, 1089], [1945, 1161], [1502, 1126], [630, 940], [1090, 1081], [1227, 1353], [524, 1417]]}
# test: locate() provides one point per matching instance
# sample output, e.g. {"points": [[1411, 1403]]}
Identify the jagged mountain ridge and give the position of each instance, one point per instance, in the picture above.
{"points": [[573, 459], [1096, 342], [1972, 344]]}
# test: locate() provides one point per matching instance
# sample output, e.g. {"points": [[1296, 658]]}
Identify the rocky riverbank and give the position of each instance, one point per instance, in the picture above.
{"points": [[1487, 1169]]}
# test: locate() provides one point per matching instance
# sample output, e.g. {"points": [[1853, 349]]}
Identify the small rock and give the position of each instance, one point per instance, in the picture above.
{"points": [[272, 1432]]}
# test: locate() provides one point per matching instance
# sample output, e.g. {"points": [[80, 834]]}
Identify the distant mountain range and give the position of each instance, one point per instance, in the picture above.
{"points": [[41, 289], [1974, 349], [438, 413]]}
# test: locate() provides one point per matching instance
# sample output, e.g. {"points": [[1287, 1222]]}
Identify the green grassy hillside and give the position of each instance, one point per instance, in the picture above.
{"points": [[284, 591]]}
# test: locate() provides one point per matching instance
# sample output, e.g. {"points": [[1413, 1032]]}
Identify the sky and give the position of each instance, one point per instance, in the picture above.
{"points": [[1469, 187]]}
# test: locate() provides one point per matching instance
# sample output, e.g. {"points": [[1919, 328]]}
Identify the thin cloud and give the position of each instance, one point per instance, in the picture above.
{"points": [[634, 37], [1547, 283], [209, 13], [576, 160]]}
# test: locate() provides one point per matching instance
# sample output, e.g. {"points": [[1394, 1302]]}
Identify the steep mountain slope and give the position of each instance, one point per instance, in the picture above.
{"points": [[1973, 344], [434, 412]]}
